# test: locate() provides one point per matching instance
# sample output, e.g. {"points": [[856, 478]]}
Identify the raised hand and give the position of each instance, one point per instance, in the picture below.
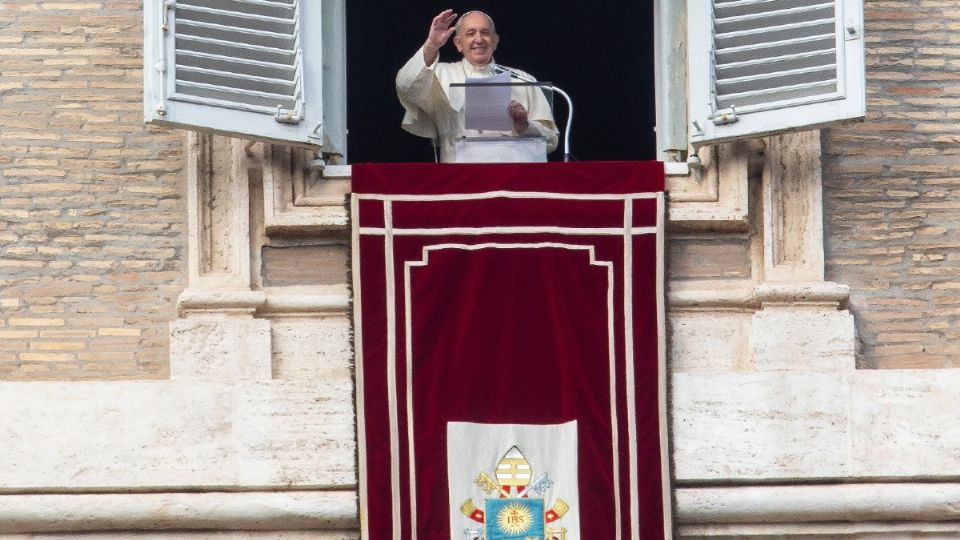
{"points": [[441, 28]]}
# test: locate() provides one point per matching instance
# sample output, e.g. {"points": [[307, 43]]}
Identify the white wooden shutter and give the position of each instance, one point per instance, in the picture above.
{"points": [[262, 69], [758, 67]]}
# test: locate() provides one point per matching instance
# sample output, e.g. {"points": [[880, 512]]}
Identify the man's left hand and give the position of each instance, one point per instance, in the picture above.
{"points": [[519, 116]]}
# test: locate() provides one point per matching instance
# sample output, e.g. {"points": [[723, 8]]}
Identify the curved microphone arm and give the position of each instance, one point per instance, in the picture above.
{"points": [[566, 130], [567, 154]]}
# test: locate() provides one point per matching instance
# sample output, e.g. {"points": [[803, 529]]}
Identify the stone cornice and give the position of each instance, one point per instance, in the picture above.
{"points": [[748, 294], [285, 301]]}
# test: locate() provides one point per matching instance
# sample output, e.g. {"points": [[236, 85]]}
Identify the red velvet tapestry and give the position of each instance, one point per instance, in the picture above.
{"points": [[508, 324]]}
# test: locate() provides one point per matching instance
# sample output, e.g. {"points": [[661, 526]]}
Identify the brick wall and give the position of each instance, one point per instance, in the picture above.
{"points": [[892, 190], [91, 216]]}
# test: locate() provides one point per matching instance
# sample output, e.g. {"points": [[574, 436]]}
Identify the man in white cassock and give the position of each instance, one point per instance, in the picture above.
{"points": [[432, 111]]}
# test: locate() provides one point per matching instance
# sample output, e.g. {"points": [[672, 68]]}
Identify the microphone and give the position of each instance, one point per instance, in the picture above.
{"points": [[499, 68], [513, 73]]}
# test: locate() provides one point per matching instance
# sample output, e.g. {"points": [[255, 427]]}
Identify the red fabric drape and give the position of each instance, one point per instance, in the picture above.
{"points": [[509, 294]]}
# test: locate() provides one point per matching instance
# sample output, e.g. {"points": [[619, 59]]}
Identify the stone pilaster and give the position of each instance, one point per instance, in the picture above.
{"points": [[217, 335], [799, 325]]}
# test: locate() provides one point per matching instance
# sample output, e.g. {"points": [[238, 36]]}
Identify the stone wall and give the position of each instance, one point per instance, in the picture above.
{"points": [[892, 190], [91, 212]]}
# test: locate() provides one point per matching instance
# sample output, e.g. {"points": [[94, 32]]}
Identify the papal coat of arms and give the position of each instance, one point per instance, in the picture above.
{"points": [[514, 507]]}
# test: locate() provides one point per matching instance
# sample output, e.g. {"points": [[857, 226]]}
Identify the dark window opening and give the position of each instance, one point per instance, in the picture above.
{"points": [[601, 53]]}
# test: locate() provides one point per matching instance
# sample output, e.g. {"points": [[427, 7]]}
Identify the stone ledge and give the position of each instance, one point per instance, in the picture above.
{"points": [[178, 436], [820, 503], [254, 511], [875, 530], [328, 534], [814, 292], [815, 427], [279, 300], [753, 295], [306, 300], [220, 300], [869, 510], [329, 218]]}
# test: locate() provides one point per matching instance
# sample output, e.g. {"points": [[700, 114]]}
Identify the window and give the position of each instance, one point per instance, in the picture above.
{"points": [[611, 80], [263, 69], [725, 69]]}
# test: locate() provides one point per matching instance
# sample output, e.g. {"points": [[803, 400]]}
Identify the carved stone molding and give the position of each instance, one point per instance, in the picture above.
{"points": [[714, 197], [299, 200]]}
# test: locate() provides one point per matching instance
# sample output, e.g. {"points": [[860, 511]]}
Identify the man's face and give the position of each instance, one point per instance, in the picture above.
{"points": [[477, 39]]}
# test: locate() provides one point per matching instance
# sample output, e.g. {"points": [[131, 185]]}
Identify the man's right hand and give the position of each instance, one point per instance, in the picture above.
{"points": [[440, 31]]}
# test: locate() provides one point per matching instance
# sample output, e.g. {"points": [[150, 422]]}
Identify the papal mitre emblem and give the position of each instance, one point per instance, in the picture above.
{"points": [[514, 471]]}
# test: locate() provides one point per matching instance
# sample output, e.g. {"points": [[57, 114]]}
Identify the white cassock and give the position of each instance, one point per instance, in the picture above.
{"points": [[433, 112]]}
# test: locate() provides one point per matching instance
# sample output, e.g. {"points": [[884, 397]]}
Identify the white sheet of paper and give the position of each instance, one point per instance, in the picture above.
{"points": [[485, 104]]}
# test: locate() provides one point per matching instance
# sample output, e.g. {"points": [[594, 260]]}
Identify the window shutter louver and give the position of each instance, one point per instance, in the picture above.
{"points": [[248, 60], [251, 68], [764, 66]]}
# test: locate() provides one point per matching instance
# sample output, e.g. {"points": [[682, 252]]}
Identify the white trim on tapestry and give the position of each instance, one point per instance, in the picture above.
{"points": [[628, 232], [628, 349], [408, 347], [611, 344], [529, 229], [506, 194], [614, 418], [662, 386], [391, 308], [500, 245], [358, 374]]}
